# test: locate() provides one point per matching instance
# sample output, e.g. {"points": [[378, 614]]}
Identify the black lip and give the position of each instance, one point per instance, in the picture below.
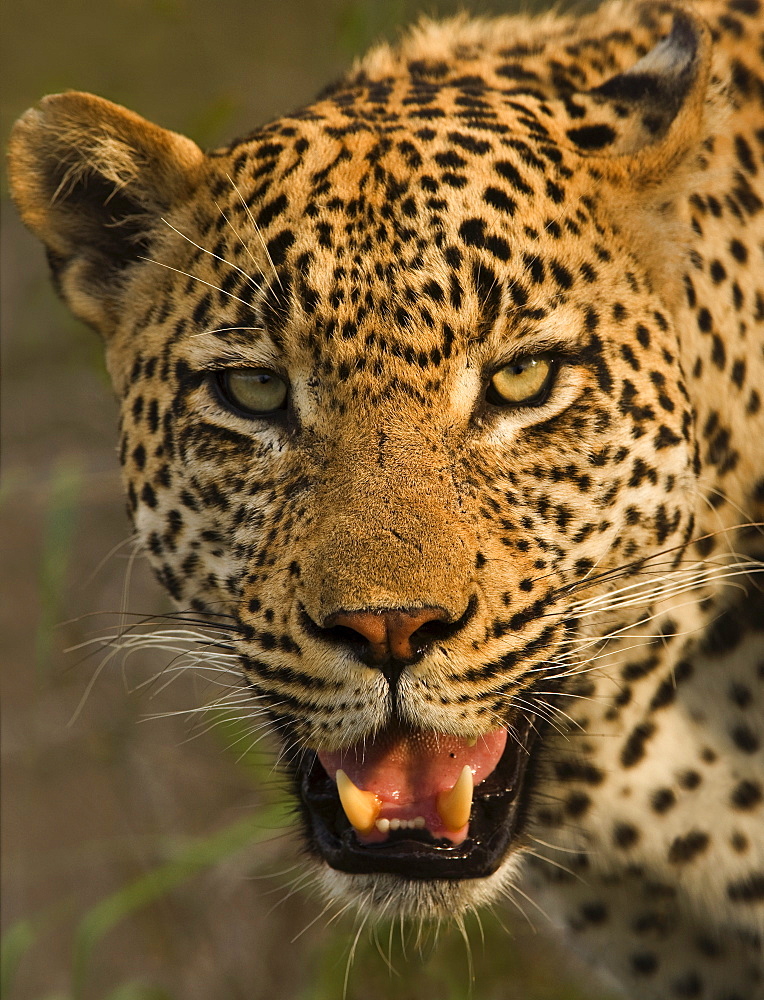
{"points": [[498, 812]]}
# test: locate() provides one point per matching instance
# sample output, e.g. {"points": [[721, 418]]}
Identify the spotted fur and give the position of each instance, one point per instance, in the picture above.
{"points": [[485, 190]]}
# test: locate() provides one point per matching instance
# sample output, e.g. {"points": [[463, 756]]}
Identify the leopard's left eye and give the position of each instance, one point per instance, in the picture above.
{"points": [[253, 391], [526, 382]]}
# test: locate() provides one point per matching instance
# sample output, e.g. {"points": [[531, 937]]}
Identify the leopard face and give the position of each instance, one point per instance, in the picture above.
{"points": [[420, 393]]}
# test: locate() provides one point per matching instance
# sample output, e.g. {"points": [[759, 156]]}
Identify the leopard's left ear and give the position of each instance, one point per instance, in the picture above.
{"points": [[640, 126], [93, 180]]}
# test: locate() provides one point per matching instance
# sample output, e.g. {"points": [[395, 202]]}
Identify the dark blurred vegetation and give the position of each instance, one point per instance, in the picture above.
{"points": [[152, 859]]}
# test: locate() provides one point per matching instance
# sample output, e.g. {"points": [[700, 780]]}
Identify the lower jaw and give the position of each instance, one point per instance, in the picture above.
{"points": [[496, 824], [384, 897], [413, 859]]}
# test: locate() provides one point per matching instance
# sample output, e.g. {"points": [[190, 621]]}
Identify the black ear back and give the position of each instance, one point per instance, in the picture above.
{"points": [[654, 112], [92, 180], [657, 87]]}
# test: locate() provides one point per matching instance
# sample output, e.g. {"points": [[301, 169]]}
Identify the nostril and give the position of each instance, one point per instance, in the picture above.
{"points": [[390, 635], [344, 635], [431, 632], [371, 627], [384, 636]]}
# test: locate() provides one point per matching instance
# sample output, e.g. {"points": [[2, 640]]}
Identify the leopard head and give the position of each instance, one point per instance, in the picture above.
{"points": [[380, 416]]}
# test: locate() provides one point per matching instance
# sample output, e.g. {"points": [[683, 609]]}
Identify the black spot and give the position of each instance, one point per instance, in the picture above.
{"points": [[718, 353], [745, 738], [470, 143], [510, 173], [278, 246], [573, 770], [689, 780], [561, 274], [596, 358], [139, 456], [664, 695], [666, 438], [592, 136], [635, 669], [535, 267], [654, 923], [662, 800], [577, 804], [723, 635], [739, 842], [705, 322], [687, 848], [740, 694], [472, 231], [746, 795], [718, 274], [433, 290], [625, 835], [450, 160], [270, 211], [594, 912], [745, 155], [747, 890], [201, 311], [739, 251], [148, 495], [687, 987], [643, 335], [499, 200], [634, 748], [588, 273], [709, 947], [518, 294], [644, 963], [748, 7]]}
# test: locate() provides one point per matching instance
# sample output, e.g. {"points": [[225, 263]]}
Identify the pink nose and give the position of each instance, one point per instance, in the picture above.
{"points": [[390, 634]]}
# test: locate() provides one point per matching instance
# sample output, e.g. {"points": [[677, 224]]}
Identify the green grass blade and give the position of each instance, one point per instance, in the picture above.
{"points": [[251, 751], [138, 991], [16, 941], [193, 859], [65, 489]]}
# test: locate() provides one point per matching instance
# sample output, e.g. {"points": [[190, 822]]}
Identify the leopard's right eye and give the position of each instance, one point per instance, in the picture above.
{"points": [[526, 382], [253, 391]]}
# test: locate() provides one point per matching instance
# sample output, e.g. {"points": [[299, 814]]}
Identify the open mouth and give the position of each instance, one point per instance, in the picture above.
{"points": [[419, 804]]}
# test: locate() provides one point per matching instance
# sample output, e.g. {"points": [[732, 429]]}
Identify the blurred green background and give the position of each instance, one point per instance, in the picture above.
{"points": [[152, 858]]}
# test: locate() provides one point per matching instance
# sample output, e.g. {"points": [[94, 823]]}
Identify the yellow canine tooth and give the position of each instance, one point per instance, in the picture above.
{"points": [[454, 806], [361, 808]]}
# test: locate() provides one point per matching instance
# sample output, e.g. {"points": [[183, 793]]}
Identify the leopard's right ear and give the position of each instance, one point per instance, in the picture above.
{"points": [[93, 180]]}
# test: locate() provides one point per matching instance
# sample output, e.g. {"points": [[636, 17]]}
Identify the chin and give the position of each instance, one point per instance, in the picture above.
{"points": [[385, 896]]}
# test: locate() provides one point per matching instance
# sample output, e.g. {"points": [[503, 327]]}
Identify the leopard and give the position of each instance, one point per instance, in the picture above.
{"points": [[441, 402]]}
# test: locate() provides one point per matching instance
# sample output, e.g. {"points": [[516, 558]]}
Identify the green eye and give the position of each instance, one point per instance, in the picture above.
{"points": [[526, 382], [253, 390]]}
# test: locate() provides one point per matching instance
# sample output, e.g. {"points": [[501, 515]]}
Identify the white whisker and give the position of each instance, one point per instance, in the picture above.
{"points": [[255, 227], [201, 281], [223, 260]]}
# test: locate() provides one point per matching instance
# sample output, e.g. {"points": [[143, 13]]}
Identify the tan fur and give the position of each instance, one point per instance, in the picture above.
{"points": [[582, 190]]}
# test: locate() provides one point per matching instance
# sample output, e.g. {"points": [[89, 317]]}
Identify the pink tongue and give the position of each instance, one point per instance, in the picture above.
{"points": [[411, 769]]}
